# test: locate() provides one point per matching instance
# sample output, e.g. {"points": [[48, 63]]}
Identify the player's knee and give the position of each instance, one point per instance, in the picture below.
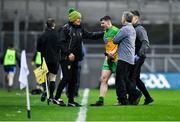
{"points": [[52, 77], [103, 80]]}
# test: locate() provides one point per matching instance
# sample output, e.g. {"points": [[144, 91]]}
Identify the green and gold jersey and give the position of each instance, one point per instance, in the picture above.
{"points": [[108, 40]]}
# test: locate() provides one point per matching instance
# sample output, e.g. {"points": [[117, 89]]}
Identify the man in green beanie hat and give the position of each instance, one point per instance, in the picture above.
{"points": [[71, 36], [73, 15]]}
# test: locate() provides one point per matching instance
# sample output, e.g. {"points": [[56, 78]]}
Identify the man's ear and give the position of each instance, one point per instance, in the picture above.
{"points": [[109, 22], [137, 18]]}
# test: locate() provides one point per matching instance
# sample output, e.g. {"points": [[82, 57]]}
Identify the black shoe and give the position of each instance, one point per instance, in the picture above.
{"points": [[137, 98], [74, 104], [43, 96], [122, 103], [50, 100], [59, 102], [97, 103], [148, 101]]}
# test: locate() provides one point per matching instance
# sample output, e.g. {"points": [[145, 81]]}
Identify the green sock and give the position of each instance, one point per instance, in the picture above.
{"points": [[101, 99]]}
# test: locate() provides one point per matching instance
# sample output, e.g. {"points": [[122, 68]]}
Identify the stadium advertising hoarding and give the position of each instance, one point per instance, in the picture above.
{"points": [[157, 80]]}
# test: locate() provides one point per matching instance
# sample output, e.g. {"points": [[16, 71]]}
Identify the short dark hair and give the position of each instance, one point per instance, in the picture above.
{"points": [[135, 12], [106, 18], [50, 22]]}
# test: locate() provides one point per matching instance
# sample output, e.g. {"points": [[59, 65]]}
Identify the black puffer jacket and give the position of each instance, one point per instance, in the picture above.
{"points": [[142, 41], [71, 37], [47, 44]]}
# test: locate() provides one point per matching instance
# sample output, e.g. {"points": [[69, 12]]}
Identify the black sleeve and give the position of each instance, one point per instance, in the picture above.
{"points": [[92, 35], [143, 37], [62, 40]]}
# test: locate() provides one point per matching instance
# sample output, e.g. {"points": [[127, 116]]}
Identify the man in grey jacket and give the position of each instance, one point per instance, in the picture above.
{"points": [[126, 51], [142, 45]]}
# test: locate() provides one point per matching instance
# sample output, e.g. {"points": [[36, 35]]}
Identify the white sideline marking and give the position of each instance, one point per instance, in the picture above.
{"points": [[83, 109]]}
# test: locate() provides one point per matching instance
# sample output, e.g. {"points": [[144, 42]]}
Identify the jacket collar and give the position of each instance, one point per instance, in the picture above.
{"points": [[127, 24], [75, 26], [137, 24]]}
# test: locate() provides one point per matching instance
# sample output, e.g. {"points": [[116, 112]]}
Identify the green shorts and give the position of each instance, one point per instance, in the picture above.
{"points": [[109, 65]]}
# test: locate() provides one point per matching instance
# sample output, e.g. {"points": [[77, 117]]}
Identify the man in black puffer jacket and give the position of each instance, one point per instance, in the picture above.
{"points": [[142, 45], [71, 37]]}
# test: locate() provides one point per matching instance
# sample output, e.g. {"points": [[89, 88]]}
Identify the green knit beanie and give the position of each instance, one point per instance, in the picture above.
{"points": [[73, 15]]}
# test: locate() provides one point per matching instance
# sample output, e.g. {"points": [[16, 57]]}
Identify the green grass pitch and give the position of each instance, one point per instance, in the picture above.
{"points": [[165, 108]]}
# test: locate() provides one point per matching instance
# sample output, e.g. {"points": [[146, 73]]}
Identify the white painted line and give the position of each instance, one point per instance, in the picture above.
{"points": [[83, 109]]}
